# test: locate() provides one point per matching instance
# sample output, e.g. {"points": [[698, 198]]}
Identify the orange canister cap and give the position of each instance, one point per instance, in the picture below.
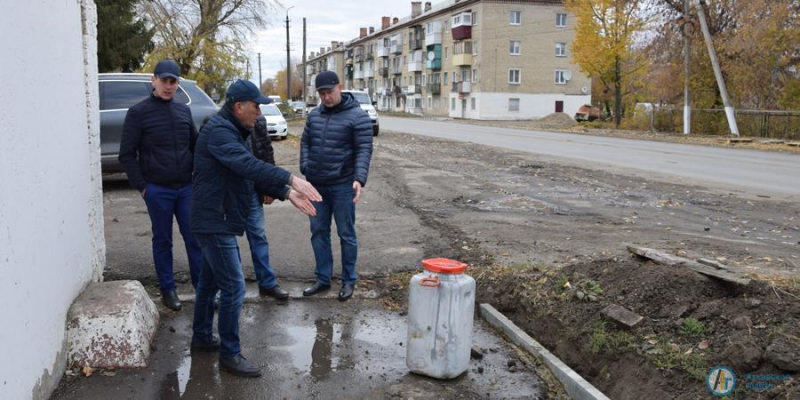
{"points": [[444, 265]]}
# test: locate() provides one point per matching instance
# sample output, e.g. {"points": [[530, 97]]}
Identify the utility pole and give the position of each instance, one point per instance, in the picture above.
{"points": [[729, 112], [247, 69], [687, 110], [260, 82], [305, 68], [288, 60]]}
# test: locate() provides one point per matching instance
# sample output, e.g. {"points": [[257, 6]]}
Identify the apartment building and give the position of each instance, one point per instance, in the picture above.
{"points": [[476, 59], [327, 59]]}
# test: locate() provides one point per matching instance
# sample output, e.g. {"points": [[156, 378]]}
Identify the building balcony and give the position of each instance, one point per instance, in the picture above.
{"points": [[358, 75], [412, 89], [462, 32], [359, 58], [369, 73], [435, 64], [415, 66], [415, 44], [383, 51], [433, 38], [382, 91], [383, 72], [396, 48], [462, 59], [397, 90], [395, 70], [462, 87], [370, 56], [434, 88]]}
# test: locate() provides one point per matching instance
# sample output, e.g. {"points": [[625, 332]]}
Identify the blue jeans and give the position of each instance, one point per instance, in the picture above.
{"points": [[259, 247], [162, 203], [222, 270], [337, 202]]}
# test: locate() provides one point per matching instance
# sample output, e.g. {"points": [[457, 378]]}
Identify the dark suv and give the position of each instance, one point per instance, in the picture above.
{"points": [[118, 92]]}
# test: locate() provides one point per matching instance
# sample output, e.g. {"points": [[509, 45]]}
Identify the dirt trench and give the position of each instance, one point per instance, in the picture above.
{"points": [[527, 226]]}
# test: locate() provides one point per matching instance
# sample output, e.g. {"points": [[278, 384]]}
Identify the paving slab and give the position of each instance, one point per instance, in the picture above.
{"points": [[310, 349]]}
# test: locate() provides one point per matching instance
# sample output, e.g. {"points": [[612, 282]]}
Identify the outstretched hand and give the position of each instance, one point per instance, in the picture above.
{"points": [[306, 189], [302, 203]]}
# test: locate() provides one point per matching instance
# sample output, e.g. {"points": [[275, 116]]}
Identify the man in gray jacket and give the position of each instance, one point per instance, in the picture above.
{"points": [[335, 153]]}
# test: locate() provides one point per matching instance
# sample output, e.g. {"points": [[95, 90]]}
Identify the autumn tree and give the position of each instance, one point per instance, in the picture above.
{"points": [[207, 38], [280, 85], [605, 35]]}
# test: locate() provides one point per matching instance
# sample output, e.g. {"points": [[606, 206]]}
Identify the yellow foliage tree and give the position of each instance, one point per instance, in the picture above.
{"points": [[605, 35]]}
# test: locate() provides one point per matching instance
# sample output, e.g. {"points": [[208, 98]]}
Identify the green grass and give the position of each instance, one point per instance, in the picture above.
{"points": [[692, 328], [593, 287], [603, 341]]}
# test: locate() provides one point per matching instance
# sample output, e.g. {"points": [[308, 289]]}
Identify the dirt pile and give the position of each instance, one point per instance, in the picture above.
{"points": [[691, 323], [556, 121]]}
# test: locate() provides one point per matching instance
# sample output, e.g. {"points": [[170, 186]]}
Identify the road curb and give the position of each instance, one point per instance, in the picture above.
{"points": [[575, 386]]}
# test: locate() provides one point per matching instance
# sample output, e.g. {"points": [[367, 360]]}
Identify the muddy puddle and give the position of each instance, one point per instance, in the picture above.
{"points": [[313, 349]]}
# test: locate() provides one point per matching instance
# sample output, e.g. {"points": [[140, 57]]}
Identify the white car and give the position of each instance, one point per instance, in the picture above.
{"points": [[276, 124], [363, 99]]}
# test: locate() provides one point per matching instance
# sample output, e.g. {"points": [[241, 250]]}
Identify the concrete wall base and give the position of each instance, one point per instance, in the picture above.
{"points": [[110, 325]]}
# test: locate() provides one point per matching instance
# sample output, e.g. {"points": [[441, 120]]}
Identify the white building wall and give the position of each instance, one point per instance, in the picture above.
{"points": [[51, 224], [494, 106]]}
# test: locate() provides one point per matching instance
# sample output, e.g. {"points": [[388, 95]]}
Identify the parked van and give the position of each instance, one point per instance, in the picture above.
{"points": [[366, 104]]}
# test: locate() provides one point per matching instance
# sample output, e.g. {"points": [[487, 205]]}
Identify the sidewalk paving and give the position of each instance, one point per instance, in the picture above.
{"points": [[307, 348]]}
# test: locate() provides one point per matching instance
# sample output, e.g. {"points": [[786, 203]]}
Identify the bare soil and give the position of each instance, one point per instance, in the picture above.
{"points": [[547, 246]]}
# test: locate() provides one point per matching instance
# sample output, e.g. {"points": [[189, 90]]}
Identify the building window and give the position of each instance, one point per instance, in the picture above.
{"points": [[445, 78], [474, 76], [474, 47], [474, 18], [445, 53], [430, 99], [561, 77], [561, 49], [513, 104], [453, 103], [453, 76], [561, 20], [515, 17], [472, 102], [514, 76], [513, 47]]}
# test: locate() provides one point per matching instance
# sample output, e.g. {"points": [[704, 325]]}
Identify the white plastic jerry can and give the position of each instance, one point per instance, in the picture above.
{"points": [[441, 306]]}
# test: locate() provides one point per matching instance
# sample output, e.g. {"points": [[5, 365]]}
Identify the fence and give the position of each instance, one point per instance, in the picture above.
{"points": [[752, 123]]}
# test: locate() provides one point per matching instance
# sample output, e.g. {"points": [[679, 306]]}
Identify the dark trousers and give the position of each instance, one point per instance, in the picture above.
{"points": [[162, 204]]}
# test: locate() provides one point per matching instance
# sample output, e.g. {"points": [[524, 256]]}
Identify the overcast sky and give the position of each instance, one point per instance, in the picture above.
{"points": [[326, 21]]}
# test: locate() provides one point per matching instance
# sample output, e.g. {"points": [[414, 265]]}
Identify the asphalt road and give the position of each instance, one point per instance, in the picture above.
{"points": [[747, 171]]}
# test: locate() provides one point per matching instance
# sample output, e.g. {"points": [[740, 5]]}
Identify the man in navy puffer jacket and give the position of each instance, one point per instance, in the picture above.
{"points": [[158, 139], [225, 174], [335, 152]]}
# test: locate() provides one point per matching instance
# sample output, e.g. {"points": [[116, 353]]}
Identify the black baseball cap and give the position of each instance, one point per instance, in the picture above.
{"points": [[326, 80], [167, 69], [244, 90]]}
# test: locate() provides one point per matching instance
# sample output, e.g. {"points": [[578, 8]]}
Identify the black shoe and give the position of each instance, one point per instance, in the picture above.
{"points": [[212, 345], [346, 292], [239, 366], [170, 299], [316, 288], [275, 292]]}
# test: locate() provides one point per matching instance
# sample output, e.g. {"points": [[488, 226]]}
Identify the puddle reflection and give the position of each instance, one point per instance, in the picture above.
{"points": [[191, 378]]}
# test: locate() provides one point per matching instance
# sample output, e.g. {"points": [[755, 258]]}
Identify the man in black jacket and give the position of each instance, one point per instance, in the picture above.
{"points": [[261, 145], [335, 153], [158, 139]]}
